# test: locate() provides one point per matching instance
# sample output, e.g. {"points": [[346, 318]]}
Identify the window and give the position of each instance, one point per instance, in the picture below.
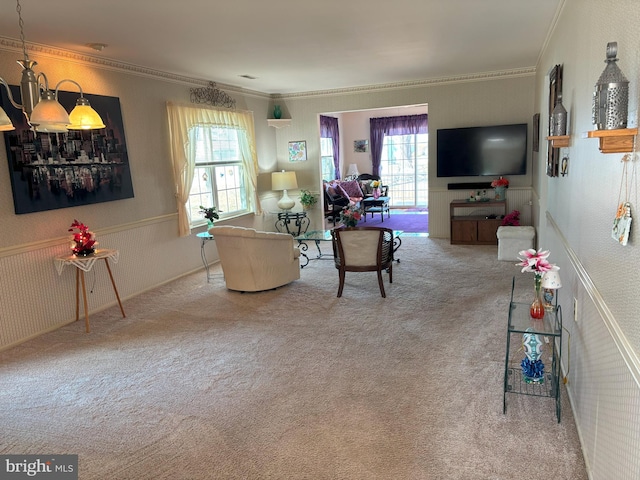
{"points": [[404, 167], [219, 176], [326, 156]]}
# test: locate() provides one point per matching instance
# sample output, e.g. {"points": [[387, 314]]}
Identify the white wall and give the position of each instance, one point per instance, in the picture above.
{"points": [[577, 213]]}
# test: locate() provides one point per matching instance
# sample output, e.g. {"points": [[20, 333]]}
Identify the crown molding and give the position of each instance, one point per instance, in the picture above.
{"points": [[13, 45], [475, 77]]}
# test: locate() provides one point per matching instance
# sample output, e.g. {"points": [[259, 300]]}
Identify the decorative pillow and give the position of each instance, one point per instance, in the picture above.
{"points": [[341, 191], [352, 188]]}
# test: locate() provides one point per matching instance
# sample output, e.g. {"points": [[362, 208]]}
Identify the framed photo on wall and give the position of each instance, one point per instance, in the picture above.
{"points": [[60, 170], [298, 151], [360, 146], [536, 132]]}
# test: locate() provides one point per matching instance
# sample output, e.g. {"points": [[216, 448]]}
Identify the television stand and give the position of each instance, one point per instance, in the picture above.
{"points": [[476, 228]]}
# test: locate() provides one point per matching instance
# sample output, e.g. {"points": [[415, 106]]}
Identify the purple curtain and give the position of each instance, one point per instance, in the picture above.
{"points": [[403, 125], [329, 129]]}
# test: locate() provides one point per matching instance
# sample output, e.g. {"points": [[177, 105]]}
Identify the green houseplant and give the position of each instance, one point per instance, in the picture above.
{"points": [[307, 199]]}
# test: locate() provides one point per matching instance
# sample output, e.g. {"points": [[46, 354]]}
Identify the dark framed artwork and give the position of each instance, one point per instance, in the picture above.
{"points": [[60, 170], [555, 90], [536, 132]]}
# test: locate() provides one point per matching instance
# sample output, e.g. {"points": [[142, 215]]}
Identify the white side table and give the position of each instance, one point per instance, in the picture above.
{"points": [[85, 264]]}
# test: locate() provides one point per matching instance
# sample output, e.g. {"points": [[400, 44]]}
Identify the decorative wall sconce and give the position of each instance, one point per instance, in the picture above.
{"points": [[611, 96], [40, 105]]}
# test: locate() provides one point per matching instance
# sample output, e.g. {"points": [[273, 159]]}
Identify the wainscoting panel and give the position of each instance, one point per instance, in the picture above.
{"points": [[35, 299], [439, 200], [603, 372]]}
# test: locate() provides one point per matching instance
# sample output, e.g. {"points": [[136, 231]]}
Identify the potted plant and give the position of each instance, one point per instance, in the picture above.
{"points": [[307, 199], [210, 213]]}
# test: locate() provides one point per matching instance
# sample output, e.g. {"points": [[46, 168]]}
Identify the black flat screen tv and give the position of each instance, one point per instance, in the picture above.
{"points": [[474, 151]]}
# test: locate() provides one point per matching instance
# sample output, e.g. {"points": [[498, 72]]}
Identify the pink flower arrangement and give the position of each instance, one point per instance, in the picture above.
{"points": [[84, 240], [500, 182], [350, 216], [512, 219], [536, 262]]}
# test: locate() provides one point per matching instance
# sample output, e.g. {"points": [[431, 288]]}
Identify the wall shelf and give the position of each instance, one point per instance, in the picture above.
{"points": [[615, 141], [559, 141], [279, 122]]}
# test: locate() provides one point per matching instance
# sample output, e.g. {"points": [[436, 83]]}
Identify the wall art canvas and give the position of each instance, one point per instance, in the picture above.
{"points": [[60, 170], [360, 145], [298, 151]]}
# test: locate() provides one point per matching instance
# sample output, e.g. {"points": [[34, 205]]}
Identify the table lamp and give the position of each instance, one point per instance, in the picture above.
{"points": [[352, 171], [284, 181], [550, 282]]}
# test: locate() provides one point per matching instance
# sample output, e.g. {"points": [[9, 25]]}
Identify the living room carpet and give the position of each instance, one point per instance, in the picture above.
{"points": [[399, 220], [199, 382]]}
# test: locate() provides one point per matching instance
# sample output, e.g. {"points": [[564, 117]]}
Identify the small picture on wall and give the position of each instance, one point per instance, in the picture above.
{"points": [[536, 132], [298, 151], [360, 145]]}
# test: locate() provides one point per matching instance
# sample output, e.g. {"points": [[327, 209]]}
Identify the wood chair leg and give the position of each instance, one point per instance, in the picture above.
{"points": [[390, 270], [341, 286], [384, 295]]}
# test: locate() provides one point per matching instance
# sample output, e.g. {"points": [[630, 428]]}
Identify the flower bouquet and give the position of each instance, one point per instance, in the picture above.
{"points": [[350, 216], [537, 263], [500, 182], [84, 241], [500, 185]]}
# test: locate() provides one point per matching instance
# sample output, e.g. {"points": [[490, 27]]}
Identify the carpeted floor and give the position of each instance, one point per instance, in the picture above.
{"points": [[411, 222], [199, 382]]}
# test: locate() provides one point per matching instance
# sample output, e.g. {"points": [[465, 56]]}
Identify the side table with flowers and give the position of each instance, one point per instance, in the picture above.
{"points": [[500, 186]]}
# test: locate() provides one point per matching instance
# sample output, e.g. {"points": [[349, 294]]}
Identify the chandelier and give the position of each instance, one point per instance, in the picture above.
{"points": [[40, 104]]}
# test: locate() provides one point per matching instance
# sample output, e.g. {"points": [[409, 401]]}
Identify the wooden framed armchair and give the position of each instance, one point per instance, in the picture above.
{"points": [[363, 249]]}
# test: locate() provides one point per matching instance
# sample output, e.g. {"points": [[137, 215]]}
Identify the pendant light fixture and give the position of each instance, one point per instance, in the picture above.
{"points": [[40, 105]]}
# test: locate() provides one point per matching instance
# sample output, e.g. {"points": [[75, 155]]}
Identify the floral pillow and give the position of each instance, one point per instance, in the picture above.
{"points": [[365, 186], [352, 187]]}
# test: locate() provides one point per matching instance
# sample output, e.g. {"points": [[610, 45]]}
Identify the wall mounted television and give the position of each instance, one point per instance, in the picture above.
{"points": [[474, 151]]}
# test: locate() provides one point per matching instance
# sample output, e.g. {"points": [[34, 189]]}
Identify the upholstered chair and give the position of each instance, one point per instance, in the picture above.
{"points": [[363, 249], [253, 261]]}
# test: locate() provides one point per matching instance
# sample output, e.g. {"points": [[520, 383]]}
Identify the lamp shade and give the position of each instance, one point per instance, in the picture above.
{"points": [[283, 180], [49, 111], [83, 117], [551, 280], [353, 170], [5, 122]]}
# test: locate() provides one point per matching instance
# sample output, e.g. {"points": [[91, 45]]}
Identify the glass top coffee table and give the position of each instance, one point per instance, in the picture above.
{"points": [[319, 236]]}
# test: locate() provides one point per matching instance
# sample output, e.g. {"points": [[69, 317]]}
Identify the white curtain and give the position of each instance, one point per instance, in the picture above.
{"points": [[182, 118]]}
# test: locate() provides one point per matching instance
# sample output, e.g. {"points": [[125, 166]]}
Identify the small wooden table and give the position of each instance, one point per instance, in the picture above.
{"points": [[85, 264]]}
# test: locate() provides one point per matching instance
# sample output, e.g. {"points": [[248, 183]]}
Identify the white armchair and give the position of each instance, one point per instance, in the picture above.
{"points": [[253, 261]]}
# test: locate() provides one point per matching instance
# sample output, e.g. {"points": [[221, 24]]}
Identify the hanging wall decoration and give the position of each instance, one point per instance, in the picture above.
{"points": [[622, 221], [212, 95], [555, 92], [60, 170]]}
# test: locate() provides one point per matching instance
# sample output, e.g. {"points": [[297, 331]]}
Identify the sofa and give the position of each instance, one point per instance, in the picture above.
{"points": [[253, 261]]}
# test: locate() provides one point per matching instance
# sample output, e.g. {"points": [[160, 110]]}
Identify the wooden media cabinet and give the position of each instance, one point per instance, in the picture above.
{"points": [[476, 228]]}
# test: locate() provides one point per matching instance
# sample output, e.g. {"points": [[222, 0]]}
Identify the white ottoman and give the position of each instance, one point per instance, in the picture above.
{"points": [[512, 240]]}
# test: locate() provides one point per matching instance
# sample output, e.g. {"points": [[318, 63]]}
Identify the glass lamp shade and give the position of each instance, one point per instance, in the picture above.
{"points": [[5, 122], [83, 117], [49, 111], [52, 128]]}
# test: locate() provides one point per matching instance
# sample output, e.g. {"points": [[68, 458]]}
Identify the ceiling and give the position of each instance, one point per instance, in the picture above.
{"points": [[293, 46]]}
